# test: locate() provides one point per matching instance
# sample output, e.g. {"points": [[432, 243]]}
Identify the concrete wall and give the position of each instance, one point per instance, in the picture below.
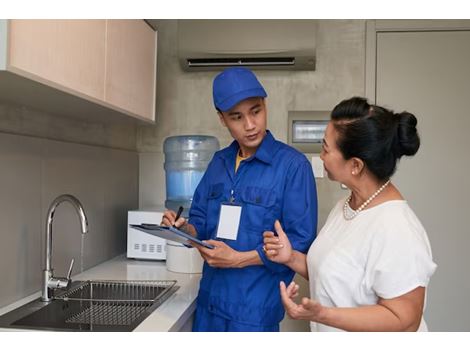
{"points": [[92, 130], [184, 104], [184, 100], [35, 170]]}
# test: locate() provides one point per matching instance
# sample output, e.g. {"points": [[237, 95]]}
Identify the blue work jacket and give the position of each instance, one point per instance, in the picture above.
{"points": [[275, 183]]}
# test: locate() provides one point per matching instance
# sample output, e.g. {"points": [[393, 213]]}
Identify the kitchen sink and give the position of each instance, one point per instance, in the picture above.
{"points": [[93, 306]]}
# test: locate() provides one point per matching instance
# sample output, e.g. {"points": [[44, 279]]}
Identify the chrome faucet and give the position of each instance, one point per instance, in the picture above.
{"points": [[49, 281]]}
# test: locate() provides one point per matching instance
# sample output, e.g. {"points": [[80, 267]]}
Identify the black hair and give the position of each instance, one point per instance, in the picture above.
{"points": [[377, 136]]}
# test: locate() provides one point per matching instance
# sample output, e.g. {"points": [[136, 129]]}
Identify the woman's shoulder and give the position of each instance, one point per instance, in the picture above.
{"points": [[398, 222], [395, 208], [396, 211]]}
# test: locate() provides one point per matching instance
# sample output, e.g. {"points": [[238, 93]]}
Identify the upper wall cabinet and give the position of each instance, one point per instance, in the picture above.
{"points": [[130, 66], [83, 68], [66, 53]]}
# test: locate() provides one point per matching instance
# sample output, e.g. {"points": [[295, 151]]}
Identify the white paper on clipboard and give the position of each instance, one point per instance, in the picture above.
{"points": [[170, 233]]}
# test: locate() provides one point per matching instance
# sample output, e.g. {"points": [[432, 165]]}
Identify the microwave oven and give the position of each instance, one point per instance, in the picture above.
{"points": [[141, 245]]}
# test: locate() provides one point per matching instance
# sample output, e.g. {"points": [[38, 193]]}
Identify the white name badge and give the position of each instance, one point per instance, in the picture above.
{"points": [[229, 221]]}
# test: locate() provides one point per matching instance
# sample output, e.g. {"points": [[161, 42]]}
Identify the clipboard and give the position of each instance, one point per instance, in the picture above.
{"points": [[170, 233]]}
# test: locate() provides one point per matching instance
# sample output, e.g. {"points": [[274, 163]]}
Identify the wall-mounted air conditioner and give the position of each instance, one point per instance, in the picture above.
{"points": [[205, 45]]}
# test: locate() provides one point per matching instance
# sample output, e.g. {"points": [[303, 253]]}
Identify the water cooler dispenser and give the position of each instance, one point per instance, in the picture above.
{"points": [[186, 160]]}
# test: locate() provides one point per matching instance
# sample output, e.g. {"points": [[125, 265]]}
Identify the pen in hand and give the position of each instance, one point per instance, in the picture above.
{"points": [[178, 214]]}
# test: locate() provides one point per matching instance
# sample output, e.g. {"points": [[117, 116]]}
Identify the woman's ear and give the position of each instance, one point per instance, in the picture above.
{"points": [[357, 166]]}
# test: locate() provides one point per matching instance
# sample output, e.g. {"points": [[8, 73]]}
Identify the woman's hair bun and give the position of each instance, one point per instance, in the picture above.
{"points": [[407, 134]]}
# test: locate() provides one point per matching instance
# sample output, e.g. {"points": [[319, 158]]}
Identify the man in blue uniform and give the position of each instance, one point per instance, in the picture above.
{"points": [[246, 188]]}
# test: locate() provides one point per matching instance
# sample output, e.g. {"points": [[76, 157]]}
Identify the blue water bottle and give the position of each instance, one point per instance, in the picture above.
{"points": [[186, 160]]}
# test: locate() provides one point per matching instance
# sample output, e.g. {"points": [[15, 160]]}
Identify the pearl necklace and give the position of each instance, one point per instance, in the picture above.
{"points": [[350, 213]]}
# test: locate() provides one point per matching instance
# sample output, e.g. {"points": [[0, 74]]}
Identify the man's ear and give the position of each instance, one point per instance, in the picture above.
{"points": [[221, 118]]}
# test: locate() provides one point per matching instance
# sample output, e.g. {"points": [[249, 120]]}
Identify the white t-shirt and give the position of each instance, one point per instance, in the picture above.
{"points": [[382, 252]]}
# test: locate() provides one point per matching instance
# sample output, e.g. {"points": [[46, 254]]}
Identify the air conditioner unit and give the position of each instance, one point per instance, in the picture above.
{"points": [[205, 45]]}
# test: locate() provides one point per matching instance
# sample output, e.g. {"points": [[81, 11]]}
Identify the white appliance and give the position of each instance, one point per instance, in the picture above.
{"points": [[141, 245], [205, 45], [181, 259]]}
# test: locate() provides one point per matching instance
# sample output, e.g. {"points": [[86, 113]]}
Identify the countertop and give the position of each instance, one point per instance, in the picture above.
{"points": [[172, 315]]}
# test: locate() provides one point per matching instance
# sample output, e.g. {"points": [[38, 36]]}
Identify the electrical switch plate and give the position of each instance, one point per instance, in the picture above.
{"points": [[317, 166]]}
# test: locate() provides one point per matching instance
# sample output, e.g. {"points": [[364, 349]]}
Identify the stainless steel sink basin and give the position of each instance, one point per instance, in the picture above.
{"points": [[93, 306]]}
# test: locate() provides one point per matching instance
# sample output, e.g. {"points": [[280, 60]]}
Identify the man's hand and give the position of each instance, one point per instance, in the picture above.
{"points": [[169, 217], [221, 256]]}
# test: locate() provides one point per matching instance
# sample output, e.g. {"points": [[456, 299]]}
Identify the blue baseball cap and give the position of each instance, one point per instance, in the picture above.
{"points": [[233, 85]]}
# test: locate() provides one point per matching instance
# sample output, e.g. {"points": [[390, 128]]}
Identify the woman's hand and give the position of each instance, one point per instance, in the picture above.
{"points": [[277, 248], [308, 309]]}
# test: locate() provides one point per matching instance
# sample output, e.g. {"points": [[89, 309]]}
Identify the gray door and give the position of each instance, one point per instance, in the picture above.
{"points": [[428, 74]]}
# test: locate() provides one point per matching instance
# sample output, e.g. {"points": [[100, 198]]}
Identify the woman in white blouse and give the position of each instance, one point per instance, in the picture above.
{"points": [[371, 262]]}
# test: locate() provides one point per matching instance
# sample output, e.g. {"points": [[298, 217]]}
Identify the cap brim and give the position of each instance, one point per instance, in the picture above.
{"points": [[230, 102]]}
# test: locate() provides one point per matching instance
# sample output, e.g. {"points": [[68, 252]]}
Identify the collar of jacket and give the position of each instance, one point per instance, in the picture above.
{"points": [[264, 153]]}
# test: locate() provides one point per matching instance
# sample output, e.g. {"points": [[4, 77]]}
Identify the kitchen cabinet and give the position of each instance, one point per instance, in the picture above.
{"points": [[63, 53], [80, 68], [131, 66]]}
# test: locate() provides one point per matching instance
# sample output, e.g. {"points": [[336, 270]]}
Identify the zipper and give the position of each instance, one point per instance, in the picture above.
{"points": [[232, 198], [237, 176]]}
